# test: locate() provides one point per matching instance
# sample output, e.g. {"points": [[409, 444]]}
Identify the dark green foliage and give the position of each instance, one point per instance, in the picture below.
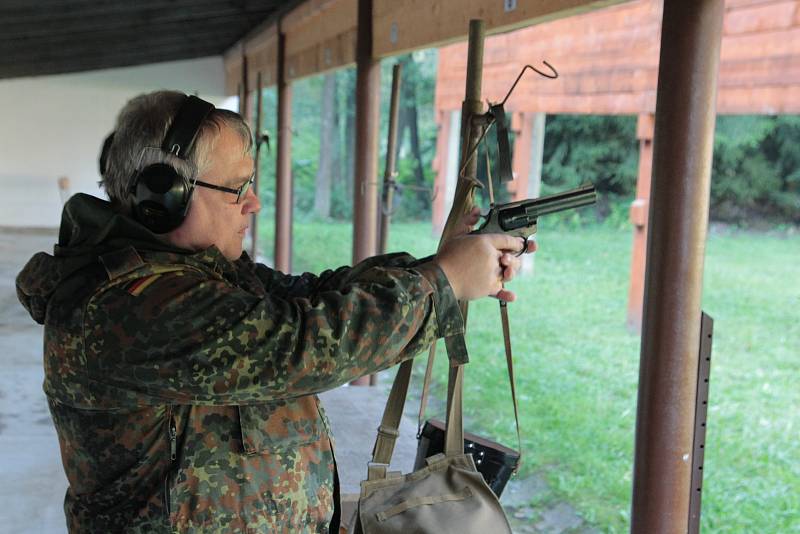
{"points": [[599, 149], [756, 170]]}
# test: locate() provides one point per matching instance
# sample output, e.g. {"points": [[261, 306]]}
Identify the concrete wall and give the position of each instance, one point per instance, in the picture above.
{"points": [[54, 126]]}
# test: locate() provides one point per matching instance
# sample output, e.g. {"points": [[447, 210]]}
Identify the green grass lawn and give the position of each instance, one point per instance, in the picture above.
{"points": [[577, 369]]}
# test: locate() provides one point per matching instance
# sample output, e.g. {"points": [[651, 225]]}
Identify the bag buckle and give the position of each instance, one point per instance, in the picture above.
{"points": [[376, 471]]}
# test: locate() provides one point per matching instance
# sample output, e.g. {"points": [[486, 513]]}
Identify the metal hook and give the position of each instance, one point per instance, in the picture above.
{"points": [[490, 119], [526, 67], [474, 150]]}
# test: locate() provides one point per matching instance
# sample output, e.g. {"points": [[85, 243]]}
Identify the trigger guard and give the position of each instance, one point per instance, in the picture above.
{"points": [[524, 248]]}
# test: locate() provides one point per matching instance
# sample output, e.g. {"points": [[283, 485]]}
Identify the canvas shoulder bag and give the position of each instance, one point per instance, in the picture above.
{"points": [[448, 495]]}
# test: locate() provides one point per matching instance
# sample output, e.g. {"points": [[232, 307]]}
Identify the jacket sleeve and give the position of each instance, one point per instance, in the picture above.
{"points": [[306, 284], [190, 338]]}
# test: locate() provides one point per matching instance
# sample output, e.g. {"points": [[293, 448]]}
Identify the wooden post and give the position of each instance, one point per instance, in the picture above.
{"points": [[682, 150], [283, 186], [440, 162], [257, 159], [638, 216], [521, 159], [365, 190], [528, 160], [537, 156]]}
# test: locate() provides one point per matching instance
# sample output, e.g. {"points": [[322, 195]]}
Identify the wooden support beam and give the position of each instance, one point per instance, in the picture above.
{"points": [[283, 186], [404, 25], [232, 62], [257, 159], [682, 150], [320, 36], [440, 163], [639, 211], [527, 164], [367, 123], [242, 88], [262, 56]]}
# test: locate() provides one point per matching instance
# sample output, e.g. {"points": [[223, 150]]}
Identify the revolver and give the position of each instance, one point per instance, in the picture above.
{"points": [[519, 218]]}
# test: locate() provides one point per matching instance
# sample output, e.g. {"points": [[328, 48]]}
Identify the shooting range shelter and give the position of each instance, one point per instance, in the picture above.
{"points": [[714, 56]]}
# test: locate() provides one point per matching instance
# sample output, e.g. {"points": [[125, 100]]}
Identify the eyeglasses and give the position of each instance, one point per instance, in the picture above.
{"points": [[239, 192]]}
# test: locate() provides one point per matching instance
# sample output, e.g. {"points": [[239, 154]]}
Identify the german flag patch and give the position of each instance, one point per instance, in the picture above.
{"points": [[136, 287]]}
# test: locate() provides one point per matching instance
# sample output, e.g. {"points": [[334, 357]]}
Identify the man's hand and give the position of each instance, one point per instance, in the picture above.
{"points": [[477, 265]]}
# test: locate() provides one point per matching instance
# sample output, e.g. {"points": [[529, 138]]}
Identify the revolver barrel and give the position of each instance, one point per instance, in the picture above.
{"points": [[519, 218], [525, 212], [575, 198]]}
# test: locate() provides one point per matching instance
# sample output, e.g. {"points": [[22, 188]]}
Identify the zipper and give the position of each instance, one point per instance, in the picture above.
{"points": [[173, 454], [173, 439]]}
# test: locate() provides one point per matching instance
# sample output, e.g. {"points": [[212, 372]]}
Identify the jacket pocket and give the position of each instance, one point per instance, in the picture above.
{"points": [[280, 424]]}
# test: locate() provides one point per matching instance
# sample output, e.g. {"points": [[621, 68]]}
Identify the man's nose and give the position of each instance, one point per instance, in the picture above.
{"points": [[251, 203]]}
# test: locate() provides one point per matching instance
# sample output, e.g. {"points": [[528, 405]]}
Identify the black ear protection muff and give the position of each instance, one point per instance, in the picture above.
{"points": [[161, 194]]}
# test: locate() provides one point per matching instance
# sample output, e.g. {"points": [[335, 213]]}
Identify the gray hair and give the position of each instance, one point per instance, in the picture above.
{"points": [[140, 130]]}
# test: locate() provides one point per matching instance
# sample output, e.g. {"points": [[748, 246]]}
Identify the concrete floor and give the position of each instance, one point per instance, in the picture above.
{"points": [[32, 482]]}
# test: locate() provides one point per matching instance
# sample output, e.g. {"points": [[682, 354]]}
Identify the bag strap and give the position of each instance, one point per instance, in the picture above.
{"points": [[454, 431], [392, 414], [510, 368], [390, 422], [426, 385]]}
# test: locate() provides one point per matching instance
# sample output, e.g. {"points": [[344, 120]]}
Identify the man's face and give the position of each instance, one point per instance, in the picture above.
{"points": [[214, 217]]}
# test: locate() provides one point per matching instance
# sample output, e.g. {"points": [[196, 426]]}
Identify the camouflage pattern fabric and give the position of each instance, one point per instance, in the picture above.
{"points": [[182, 385]]}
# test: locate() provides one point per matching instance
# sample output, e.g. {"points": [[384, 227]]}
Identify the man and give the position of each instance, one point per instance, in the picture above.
{"points": [[180, 375]]}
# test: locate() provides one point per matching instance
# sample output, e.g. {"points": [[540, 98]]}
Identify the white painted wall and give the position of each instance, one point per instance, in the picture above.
{"points": [[53, 126]]}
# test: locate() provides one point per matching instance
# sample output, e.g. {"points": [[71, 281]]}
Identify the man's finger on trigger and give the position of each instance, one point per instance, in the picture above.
{"points": [[505, 295], [507, 242]]}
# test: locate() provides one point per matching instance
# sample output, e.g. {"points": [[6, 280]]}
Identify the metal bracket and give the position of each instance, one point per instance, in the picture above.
{"points": [[700, 417]]}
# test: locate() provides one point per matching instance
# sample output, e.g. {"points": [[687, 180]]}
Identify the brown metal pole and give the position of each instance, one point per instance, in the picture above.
{"points": [[243, 89], [257, 159], [391, 148], [365, 190], [683, 143], [283, 186]]}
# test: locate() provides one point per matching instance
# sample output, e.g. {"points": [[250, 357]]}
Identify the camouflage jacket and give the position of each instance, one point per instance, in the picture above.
{"points": [[182, 385]]}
